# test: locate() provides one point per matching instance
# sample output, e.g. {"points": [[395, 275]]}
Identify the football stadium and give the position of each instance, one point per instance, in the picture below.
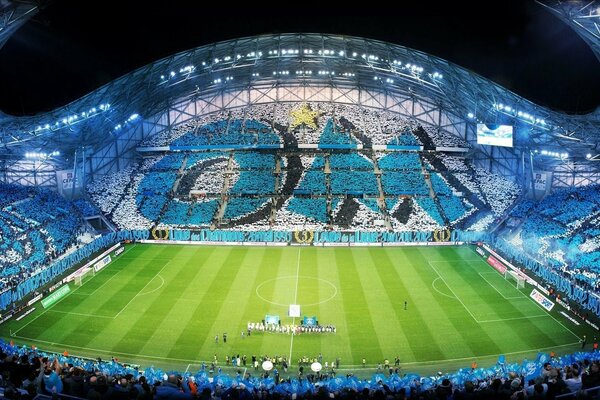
{"points": [[300, 215]]}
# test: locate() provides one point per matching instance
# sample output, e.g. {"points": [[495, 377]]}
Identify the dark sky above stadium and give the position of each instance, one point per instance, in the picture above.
{"points": [[73, 47]]}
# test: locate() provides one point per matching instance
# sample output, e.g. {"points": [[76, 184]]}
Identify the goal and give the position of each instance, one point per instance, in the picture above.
{"points": [[79, 278], [510, 275]]}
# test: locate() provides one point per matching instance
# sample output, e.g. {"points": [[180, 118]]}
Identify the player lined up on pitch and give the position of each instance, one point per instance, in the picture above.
{"points": [[290, 328]]}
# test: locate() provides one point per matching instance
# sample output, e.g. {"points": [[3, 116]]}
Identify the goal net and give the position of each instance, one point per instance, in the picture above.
{"points": [[515, 277], [79, 278]]}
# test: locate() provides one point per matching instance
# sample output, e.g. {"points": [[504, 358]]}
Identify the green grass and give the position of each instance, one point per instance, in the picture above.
{"points": [[164, 304]]}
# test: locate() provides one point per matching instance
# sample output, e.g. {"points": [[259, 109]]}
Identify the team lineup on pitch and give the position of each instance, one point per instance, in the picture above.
{"points": [[168, 305]]}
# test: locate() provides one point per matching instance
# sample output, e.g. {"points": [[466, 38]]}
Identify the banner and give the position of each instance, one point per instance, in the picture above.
{"points": [[102, 263], [539, 181], [67, 183], [498, 266], [303, 237], [64, 263], [310, 321], [294, 311], [541, 300], [310, 237], [272, 319], [562, 284], [34, 299], [57, 295]]}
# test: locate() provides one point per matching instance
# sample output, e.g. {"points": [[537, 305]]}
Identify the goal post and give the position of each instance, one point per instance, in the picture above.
{"points": [[513, 276], [80, 278]]}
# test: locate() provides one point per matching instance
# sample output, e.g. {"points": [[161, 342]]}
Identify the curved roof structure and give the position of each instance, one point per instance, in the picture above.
{"points": [[582, 16], [14, 14], [401, 75]]}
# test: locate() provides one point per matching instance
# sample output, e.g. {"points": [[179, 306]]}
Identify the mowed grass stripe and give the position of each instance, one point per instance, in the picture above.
{"points": [[469, 338], [145, 316], [79, 330], [485, 338], [206, 263], [166, 340], [154, 288], [319, 292], [361, 330], [128, 315], [214, 280], [331, 312], [401, 282], [279, 287], [309, 292], [231, 309], [507, 288], [386, 304], [33, 327], [211, 307], [256, 308], [468, 279], [481, 297]]}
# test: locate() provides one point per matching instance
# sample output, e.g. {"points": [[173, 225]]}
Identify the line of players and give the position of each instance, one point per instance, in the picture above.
{"points": [[289, 329]]}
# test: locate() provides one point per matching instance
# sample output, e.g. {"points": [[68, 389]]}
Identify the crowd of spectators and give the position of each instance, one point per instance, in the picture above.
{"points": [[562, 231], [25, 373], [37, 225], [446, 192]]}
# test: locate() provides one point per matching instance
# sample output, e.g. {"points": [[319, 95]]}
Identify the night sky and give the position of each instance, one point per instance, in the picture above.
{"points": [[73, 47]]}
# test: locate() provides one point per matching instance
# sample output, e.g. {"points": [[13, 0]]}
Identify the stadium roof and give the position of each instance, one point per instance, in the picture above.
{"points": [[13, 14], [582, 16], [268, 60]]}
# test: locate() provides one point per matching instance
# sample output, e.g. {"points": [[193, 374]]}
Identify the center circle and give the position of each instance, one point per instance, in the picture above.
{"points": [[286, 290]]}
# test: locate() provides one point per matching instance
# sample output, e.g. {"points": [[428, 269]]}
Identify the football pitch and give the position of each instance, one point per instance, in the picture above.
{"points": [[163, 305]]}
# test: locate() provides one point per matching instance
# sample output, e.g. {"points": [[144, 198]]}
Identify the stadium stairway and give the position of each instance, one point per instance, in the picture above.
{"points": [[385, 212], [377, 173], [228, 124], [433, 195], [428, 182]]}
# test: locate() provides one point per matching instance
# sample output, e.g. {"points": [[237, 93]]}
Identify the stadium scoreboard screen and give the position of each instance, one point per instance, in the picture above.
{"points": [[495, 135]]}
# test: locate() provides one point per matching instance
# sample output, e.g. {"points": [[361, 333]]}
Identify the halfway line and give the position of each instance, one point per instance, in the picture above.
{"points": [[295, 301]]}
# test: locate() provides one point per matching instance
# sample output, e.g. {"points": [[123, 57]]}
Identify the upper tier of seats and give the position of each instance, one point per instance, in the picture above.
{"points": [[36, 226], [338, 187], [310, 189], [563, 231], [323, 124]]}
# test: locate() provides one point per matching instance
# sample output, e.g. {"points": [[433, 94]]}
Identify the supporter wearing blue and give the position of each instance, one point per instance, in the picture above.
{"points": [[173, 388], [51, 381]]}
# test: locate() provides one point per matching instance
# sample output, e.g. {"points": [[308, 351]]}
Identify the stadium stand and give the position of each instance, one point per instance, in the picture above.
{"points": [[66, 376], [445, 188], [36, 227], [562, 231], [232, 163]]}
